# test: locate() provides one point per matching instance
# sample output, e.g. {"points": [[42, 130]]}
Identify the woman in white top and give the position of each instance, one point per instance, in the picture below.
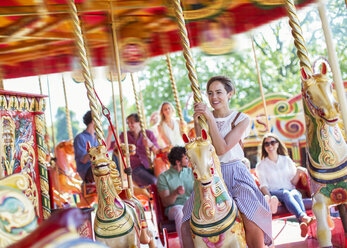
{"points": [[227, 128], [169, 127], [278, 176]]}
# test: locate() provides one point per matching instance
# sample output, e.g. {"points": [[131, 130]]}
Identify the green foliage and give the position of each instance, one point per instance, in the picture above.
{"points": [[278, 62], [60, 125]]}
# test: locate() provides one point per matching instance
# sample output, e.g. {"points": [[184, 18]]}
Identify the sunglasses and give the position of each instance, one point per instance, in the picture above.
{"points": [[272, 142]]}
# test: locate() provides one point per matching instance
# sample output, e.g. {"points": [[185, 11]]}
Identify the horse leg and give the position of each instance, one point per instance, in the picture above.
{"points": [[343, 215], [320, 211], [187, 239]]}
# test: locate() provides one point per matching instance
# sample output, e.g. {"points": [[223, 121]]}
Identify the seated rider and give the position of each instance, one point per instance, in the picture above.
{"points": [[176, 185], [141, 172], [80, 148], [278, 176]]}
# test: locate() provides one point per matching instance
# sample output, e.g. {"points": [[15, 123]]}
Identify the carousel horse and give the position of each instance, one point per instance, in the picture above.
{"points": [[117, 223], [69, 180], [215, 220], [161, 162], [65, 179], [327, 150], [60, 230]]}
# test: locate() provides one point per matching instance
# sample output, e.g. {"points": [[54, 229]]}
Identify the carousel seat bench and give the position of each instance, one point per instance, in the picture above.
{"points": [[282, 211]]}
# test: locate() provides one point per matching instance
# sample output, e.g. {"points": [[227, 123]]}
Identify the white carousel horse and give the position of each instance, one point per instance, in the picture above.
{"points": [[327, 150], [215, 219], [117, 223]]}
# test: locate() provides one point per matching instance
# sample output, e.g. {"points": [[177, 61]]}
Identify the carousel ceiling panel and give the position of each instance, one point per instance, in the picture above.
{"points": [[37, 37]]}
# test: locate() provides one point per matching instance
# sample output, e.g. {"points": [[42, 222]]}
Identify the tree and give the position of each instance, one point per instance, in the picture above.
{"points": [[60, 126], [277, 60]]}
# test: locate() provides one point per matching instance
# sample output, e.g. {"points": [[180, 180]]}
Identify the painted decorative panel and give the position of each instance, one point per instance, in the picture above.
{"points": [[21, 145]]}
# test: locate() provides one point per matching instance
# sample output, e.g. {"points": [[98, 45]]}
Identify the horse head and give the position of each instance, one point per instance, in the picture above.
{"points": [[67, 146], [317, 93], [200, 153], [99, 159]]}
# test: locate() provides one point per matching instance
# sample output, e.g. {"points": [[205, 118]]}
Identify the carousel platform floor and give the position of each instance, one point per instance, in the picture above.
{"points": [[287, 235]]}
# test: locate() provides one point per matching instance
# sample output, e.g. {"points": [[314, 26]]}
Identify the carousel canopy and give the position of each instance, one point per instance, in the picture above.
{"points": [[37, 37]]}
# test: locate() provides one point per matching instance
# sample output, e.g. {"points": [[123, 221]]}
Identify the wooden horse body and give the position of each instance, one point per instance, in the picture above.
{"points": [[117, 223], [69, 180], [66, 181], [214, 221], [327, 150]]}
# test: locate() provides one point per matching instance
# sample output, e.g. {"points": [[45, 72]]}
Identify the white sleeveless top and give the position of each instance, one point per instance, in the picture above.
{"points": [[224, 127], [174, 135]]}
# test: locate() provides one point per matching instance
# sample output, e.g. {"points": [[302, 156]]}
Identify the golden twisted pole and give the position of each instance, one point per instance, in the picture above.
{"points": [[67, 111], [260, 86], [143, 109], [44, 120], [125, 133], [299, 41], [121, 166], [174, 88], [1, 79], [50, 112], [86, 71], [139, 112], [189, 60], [114, 105]]}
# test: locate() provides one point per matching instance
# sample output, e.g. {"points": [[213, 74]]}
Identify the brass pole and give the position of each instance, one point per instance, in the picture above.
{"points": [[174, 88], [260, 86], [334, 63], [114, 105], [1, 79], [121, 166], [67, 111], [189, 60], [44, 120], [50, 112], [143, 131], [143, 109], [299, 41], [85, 65], [117, 62], [164, 42]]}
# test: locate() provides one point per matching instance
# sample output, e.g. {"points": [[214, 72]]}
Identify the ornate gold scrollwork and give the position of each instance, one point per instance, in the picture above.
{"points": [[18, 221]]}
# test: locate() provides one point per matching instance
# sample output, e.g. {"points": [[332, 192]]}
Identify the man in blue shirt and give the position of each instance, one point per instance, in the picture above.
{"points": [[80, 146], [176, 185]]}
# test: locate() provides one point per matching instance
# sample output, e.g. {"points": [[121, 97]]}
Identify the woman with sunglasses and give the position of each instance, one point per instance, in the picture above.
{"points": [[227, 128], [278, 176]]}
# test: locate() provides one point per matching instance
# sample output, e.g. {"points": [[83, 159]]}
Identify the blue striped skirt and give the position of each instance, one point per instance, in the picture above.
{"points": [[248, 198]]}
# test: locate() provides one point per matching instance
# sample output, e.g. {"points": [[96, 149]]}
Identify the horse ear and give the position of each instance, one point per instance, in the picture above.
{"points": [[185, 138], [103, 143], [204, 134], [323, 70], [88, 145], [303, 74]]}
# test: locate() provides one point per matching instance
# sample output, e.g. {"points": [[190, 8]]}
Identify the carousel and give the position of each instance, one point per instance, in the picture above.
{"points": [[45, 203]]}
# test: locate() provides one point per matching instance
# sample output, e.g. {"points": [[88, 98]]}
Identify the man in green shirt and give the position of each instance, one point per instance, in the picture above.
{"points": [[176, 185]]}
